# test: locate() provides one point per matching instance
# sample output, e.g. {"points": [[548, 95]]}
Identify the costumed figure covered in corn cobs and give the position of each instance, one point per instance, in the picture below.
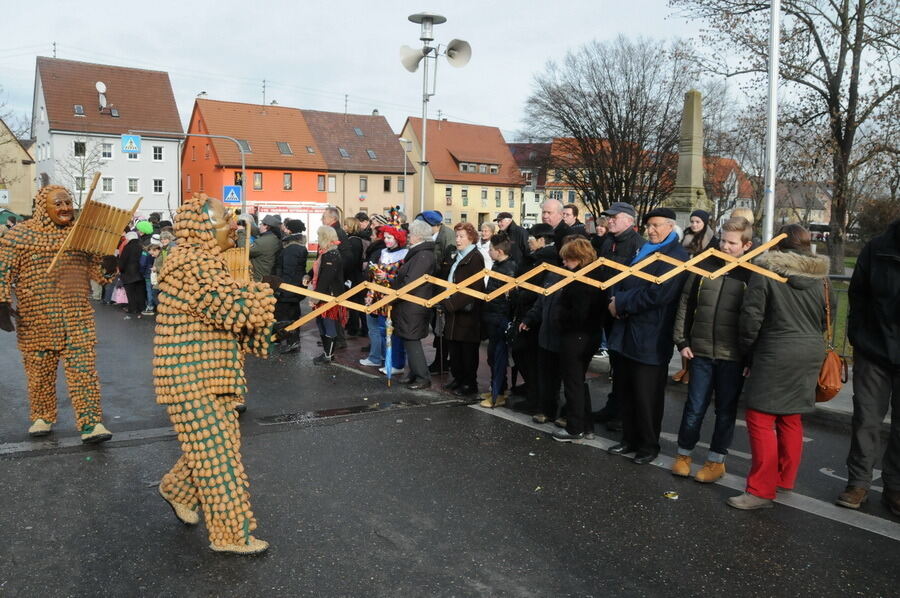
{"points": [[54, 316], [206, 322]]}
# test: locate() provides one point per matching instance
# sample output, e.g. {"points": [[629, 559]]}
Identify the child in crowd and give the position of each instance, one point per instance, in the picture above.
{"points": [[496, 317], [706, 333], [148, 271]]}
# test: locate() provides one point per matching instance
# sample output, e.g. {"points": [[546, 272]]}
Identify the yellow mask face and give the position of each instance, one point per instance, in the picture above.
{"points": [[59, 208], [223, 226]]}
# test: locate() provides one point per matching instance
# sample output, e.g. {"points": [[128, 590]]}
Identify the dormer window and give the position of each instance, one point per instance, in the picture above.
{"points": [[358, 131], [245, 146], [344, 153], [310, 149], [114, 112], [79, 110], [285, 148], [494, 169], [371, 154]]}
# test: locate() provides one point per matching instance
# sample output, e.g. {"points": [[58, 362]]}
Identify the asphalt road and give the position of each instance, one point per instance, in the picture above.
{"points": [[368, 491]]}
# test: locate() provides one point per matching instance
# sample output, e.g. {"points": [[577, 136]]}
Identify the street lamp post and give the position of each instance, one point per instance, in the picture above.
{"points": [[458, 53], [232, 139], [407, 145]]}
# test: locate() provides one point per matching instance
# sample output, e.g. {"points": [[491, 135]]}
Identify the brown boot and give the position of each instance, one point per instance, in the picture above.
{"points": [[853, 497], [710, 472], [679, 375], [682, 466]]}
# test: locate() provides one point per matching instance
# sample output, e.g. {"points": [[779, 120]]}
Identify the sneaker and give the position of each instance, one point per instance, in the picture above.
{"points": [[95, 434], [487, 403], [749, 502], [682, 466], [39, 428], [369, 363], [322, 359], [565, 436], [383, 370], [148, 312], [853, 497], [540, 418], [560, 422], [710, 472]]}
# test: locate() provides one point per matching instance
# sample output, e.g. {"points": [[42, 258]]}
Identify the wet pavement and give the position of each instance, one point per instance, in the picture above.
{"points": [[364, 490]]}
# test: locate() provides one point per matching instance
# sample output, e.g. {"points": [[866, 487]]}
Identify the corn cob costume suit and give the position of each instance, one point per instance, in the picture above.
{"points": [[56, 320], [206, 322]]}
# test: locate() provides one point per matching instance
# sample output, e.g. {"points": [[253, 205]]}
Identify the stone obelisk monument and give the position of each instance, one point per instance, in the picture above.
{"points": [[689, 193]]}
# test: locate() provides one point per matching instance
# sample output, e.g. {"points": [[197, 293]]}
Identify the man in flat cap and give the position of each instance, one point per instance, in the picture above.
{"points": [[264, 250], [518, 237], [641, 339]]}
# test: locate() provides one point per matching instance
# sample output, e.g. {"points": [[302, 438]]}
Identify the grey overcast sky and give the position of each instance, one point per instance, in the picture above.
{"points": [[312, 52]]}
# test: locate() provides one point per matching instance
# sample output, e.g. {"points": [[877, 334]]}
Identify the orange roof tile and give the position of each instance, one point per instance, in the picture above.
{"points": [[450, 143], [718, 171], [335, 130], [262, 127], [143, 98]]}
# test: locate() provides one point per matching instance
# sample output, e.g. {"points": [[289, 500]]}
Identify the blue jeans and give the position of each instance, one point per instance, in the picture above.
{"points": [[497, 351], [150, 295], [327, 327], [726, 379], [378, 340]]}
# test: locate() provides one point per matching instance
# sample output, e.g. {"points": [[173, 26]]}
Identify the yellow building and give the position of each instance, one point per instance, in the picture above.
{"points": [[471, 174], [16, 173]]}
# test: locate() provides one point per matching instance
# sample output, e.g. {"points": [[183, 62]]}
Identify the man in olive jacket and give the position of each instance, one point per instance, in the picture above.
{"points": [[874, 328], [706, 333], [264, 251]]}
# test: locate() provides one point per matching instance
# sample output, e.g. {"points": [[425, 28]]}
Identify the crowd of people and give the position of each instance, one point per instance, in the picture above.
{"points": [[742, 336]]}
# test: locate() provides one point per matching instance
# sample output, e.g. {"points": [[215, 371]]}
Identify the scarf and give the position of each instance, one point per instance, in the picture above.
{"points": [[648, 248], [459, 257]]}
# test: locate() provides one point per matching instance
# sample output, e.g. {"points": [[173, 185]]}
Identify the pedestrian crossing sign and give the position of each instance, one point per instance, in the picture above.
{"points": [[131, 144], [231, 194]]}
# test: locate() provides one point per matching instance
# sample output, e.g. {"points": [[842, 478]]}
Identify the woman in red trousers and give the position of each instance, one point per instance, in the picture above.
{"points": [[781, 332]]}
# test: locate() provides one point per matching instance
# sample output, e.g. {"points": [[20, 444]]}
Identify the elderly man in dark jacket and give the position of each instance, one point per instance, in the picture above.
{"points": [[411, 321], [641, 338], [874, 329], [290, 268], [518, 236]]}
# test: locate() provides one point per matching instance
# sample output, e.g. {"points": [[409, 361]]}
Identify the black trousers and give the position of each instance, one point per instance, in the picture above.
{"points": [[641, 391], [575, 352], [463, 362], [525, 356], [137, 296], [548, 380]]}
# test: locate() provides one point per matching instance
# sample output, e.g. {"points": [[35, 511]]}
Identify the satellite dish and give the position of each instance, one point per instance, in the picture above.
{"points": [[102, 101], [100, 86], [410, 58], [458, 53]]}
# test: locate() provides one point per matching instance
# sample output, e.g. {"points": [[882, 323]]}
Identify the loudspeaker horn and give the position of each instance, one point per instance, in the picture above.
{"points": [[410, 58], [458, 53]]}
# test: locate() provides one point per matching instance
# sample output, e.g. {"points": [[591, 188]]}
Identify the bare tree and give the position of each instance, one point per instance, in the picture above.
{"points": [[839, 57], [16, 128], [614, 110], [78, 166]]}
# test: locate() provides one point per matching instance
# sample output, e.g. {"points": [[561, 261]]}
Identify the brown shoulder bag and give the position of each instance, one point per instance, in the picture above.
{"points": [[834, 372]]}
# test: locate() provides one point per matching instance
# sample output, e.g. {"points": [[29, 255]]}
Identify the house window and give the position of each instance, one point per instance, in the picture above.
{"points": [[193, 153], [557, 176], [134, 156], [401, 184], [482, 168], [320, 182], [106, 151], [571, 197], [512, 198], [206, 153], [465, 196], [285, 148], [463, 217], [245, 146], [188, 182], [107, 184], [132, 185], [157, 153], [497, 200], [526, 176], [79, 110], [358, 131], [332, 183], [287, 181], [448, 195], [80, 149], [310, 149], [494, 169], [79, 183], [387, 184], [257, 181], [344, 153], [484, 194], [239, 178], [372, 155], [157, 185], [363, 184], [201, 181]]}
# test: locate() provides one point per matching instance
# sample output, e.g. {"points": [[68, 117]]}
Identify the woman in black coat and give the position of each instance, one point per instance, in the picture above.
{"points": [[130, 273], [290, 268], [412, 321], [462, 329], [352, 253]]}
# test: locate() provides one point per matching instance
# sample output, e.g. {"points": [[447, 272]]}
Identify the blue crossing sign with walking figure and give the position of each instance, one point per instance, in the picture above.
{"points": [[231, 194], [131, 144]]}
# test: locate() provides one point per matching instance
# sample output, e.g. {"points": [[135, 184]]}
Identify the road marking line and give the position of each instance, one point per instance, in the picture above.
{"points": [[831, 474], [857, 519], [30, 446]]}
